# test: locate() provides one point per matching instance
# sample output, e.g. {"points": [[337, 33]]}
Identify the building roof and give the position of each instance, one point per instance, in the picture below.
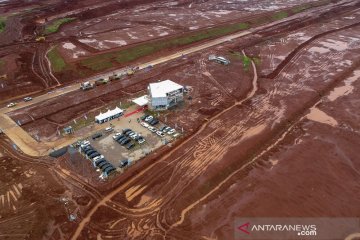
{"points": [[141, 101], [108, 114], [160, 89]]}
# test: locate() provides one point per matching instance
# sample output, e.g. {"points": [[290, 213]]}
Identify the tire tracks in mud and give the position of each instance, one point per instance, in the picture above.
{"points": [[278, 138], [108, 198], [288, 59]]}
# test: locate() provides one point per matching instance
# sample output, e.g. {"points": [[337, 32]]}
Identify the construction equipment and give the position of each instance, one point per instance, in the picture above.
{"points": [[101, 81], [38, 39], [86, 86]]}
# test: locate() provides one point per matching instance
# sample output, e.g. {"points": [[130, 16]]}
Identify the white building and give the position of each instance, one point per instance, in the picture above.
{"points": [[165, 94], [109, 115]]}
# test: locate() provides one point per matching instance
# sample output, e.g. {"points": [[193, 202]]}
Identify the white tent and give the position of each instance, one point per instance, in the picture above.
{"points": [[107, 116]]}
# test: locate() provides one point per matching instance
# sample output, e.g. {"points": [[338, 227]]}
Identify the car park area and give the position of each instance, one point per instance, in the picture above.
{"points": [[123, 143]]}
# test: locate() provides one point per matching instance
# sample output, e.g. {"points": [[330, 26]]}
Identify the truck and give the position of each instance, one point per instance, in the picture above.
{"points": [[86, 86], [101, 81]]}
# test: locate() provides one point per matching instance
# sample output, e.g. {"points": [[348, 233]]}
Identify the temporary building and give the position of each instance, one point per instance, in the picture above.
{"points": [[165, 94], [109, 115], [141, 101]]}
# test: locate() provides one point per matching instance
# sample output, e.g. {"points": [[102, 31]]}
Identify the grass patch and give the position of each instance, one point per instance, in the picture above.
{"points": [[2, 63], [55, 25], [299, 9], [280, 15], [246, 62], [2, 24], [57, 62]]}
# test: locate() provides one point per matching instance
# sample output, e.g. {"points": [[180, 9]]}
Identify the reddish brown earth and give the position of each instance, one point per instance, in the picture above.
{"points": [[280, 144]]}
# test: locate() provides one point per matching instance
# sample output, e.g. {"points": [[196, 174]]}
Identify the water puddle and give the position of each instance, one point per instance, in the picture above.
{"points": [[344, 90], [319, 116]]}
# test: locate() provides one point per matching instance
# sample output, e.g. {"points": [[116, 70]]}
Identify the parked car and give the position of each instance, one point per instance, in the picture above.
{"points": [[128, 133], [124, 163], [144, 124], [11, 105], [149, 118], [132, 134], [152, 129], [116, 136], [154, 122], [125, 141], [141, 140], [97, 158], [166, 129], [98, 162], [121, 139], [88, 150], [160, 133], [130, 145], [96, 135], [95, 154], [162, 128], [88, 153], [171, 131], [109, 129], [176, 135], [143, 117], [124, 131]]}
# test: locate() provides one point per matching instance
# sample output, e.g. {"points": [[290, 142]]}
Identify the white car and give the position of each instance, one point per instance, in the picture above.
{"points": [[171, 131], [176, 135], [11, 105], [133, 136], [109, 129], [166, 129], [152, 129], [116, 135], [149, 118], [97, 158], [27, 99], [142, 140], [144, 124], [160, 133]]}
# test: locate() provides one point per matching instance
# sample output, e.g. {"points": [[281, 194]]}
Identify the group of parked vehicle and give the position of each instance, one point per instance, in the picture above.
{"points": [[97, 159], [13, 104], [149, 122], [127, 138]]}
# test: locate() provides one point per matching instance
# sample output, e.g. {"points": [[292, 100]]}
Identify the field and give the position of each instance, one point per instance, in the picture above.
{"points": [[275, 133]]}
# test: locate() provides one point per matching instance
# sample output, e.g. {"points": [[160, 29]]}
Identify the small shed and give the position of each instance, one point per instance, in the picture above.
{"points": [[68, 130]]}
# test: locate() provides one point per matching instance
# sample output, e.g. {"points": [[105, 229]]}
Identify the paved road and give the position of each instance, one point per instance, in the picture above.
{"points": [[34, 148]]}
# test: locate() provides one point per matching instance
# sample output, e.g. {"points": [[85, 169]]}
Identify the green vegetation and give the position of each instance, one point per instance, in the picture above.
{"points": [[299, 9], [246, 62], [55, 25], [2, 63], [57, 62], [280, 15], [245, 59], [2, 24]]}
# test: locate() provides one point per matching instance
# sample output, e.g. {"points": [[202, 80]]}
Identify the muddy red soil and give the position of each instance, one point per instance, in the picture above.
{"points": [[94, 28], [35, 199], [280, 144], [242, 158]]}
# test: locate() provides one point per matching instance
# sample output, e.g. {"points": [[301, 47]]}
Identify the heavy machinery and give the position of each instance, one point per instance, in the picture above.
{"points": [[86, 86]]}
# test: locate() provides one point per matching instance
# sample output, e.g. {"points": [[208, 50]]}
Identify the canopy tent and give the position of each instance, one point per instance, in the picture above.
{"points": [[107, 116]]}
